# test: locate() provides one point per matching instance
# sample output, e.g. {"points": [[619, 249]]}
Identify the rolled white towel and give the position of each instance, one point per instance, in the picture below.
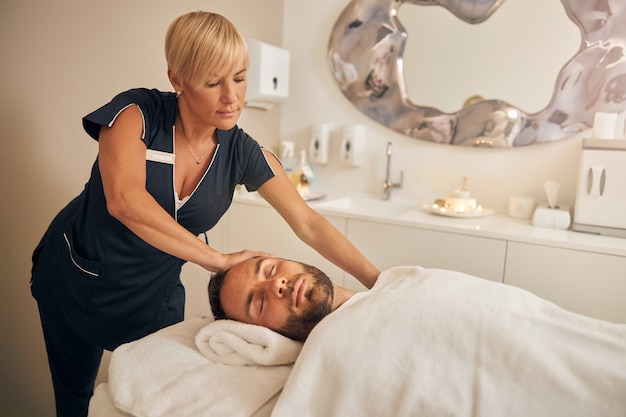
{"points": [[234, 343]]}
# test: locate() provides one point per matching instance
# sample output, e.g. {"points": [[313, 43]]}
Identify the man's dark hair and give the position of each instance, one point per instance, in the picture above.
{"points": [[215, 286]]}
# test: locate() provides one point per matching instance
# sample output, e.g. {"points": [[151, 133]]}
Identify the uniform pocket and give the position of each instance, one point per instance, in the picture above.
{"points": [[78, 274], [86, 266]]}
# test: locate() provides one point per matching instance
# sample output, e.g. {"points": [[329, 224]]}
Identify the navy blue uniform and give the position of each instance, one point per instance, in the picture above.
{"points": [[99, 285]]}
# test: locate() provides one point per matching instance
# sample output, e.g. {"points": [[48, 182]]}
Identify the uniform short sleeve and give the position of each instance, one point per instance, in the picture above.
{"points": [[150, 102], [262, 172], [254, 167]]}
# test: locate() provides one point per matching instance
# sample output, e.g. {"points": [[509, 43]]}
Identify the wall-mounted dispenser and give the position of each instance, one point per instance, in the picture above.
{"points": [[319, 144], [268, 75], [352, 145]]}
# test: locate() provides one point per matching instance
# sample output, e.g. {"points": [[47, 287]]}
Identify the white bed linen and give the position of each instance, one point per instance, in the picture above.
{"points": [[165, 374], [440, 343], [101, 405]]}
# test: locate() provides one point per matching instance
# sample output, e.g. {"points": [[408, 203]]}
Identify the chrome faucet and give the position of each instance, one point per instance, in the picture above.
{"points": [[388, 184]]}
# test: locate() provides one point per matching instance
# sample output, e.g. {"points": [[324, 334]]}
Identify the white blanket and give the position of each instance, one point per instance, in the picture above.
{"points": [[234, 343], [439, 343], [165, 374]]}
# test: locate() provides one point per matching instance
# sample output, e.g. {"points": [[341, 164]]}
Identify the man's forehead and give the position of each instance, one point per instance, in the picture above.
{"points": [[242, 269]]}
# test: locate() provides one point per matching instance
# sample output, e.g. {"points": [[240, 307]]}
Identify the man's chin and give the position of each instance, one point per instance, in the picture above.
{"points": [[321, 295], [321, 303]]}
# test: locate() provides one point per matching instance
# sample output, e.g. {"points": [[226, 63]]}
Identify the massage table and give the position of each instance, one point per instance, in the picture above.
{"points": [[424, 342]]}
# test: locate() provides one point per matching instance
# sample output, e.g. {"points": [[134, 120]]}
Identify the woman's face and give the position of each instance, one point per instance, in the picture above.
{"points": [[217, 101]]}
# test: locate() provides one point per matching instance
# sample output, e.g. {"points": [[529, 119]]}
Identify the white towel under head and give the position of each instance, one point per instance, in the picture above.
{"points": [[164, 375], [234, 343]]}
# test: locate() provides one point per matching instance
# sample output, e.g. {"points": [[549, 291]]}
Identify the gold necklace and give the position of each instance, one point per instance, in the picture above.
{"points": [[198, 160]]}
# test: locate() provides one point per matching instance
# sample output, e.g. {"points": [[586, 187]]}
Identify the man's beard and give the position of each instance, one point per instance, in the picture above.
{"points": [[320, 296]]}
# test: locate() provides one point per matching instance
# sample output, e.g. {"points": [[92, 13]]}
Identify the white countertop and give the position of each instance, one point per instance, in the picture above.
{"points": [[408, 213]]}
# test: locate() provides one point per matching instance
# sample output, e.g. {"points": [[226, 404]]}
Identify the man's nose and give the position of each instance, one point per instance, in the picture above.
{"points": [[278, 287]]}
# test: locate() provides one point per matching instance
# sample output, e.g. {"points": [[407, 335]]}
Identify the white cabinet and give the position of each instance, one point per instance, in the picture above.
{"points": [[600, 195], [216, 236], [593, 284], [388, 245], [196, 279]]}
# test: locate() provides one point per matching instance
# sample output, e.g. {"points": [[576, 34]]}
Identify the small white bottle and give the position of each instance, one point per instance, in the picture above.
{"points": [[303, 176], [288, 158]]}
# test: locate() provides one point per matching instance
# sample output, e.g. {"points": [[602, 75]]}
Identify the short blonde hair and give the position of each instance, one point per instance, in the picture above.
{"points": [[199, 45]]}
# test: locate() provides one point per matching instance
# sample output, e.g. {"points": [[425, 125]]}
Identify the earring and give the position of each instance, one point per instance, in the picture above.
{"points": [[179, 93]]}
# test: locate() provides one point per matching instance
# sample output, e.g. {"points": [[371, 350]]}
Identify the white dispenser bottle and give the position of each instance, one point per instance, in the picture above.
{"points": [[303, 176]]}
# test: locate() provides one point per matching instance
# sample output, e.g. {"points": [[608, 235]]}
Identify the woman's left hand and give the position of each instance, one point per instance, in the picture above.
{"points": [[231, 259]]}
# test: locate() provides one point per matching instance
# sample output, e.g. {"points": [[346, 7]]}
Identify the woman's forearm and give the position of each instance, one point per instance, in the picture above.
{"points": [[138, 211], [313, 229], [337, 248]]}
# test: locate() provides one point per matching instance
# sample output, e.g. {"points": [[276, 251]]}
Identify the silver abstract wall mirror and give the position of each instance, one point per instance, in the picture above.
{"points": [[366, 55], [446, 60]]}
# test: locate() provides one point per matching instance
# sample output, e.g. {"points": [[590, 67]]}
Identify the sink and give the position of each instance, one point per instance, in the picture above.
{"points": [[368, 205]]}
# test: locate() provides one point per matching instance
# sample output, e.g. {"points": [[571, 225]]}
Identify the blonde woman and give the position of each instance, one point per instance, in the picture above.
{"points": [[107, 270]]}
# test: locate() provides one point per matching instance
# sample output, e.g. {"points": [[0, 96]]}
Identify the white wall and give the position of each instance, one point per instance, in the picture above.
{"points": [[430, 170], [60, 60]]}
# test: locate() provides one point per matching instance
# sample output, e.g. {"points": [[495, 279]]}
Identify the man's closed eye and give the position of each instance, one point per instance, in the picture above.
{"points": [[262, 303]]}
